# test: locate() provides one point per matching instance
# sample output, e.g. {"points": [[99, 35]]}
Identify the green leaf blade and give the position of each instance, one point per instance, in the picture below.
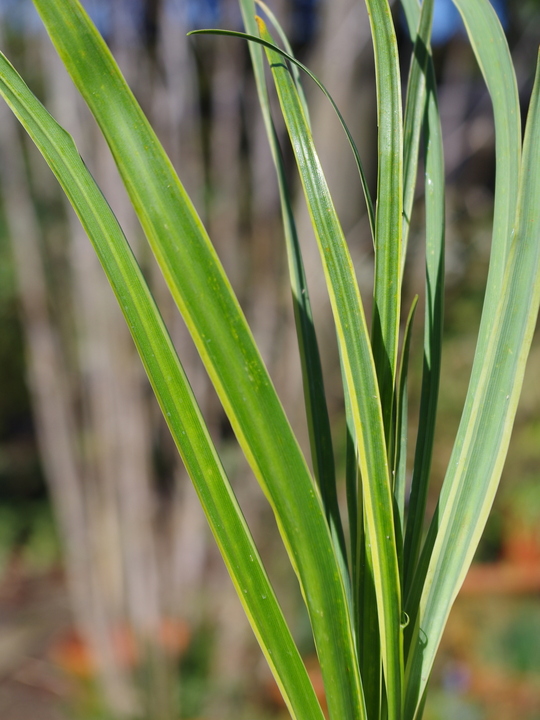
{"points": [[489, 43], [360, 377], [423, 109], [389, 215], [400, 443], [414, 106], [173, 393], [318, 420], [476, 463], [214, 318], [433, 333]]}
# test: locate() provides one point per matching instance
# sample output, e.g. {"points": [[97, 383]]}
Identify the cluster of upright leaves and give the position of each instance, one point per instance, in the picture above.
{"points": [[377, 597]]}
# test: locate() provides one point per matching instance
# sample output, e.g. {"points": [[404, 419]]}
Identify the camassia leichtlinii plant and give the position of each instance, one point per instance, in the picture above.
{"points": [[377, 590]]}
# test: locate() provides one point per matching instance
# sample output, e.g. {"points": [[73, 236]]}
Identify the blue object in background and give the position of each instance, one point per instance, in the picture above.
{"points": [[202, 13], [447, 21], [304, 20]]}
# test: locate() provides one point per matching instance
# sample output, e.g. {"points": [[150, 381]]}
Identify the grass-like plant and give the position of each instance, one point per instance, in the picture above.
{"points": [[378, 592]]}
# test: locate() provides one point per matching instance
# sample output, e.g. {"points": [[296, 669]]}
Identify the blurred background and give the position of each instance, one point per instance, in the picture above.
{"points": [[114, 603]]}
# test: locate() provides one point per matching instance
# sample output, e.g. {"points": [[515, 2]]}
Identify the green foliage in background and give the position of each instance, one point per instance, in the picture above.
{"points": [[377, 592]]}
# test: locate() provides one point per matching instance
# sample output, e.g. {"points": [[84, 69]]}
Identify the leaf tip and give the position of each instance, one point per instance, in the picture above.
{"points": [[260, 24]]}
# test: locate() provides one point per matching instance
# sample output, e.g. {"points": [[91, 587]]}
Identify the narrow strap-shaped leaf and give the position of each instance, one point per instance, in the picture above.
{"points": [[388, 220], [295, 70], [213, 316], [294, 61], [433, 331], [411, 11], [173, 393], [370, 652], [351, 486], [434, 302], [490, 46], [402, 424], [366, 604], [476, 464], [386, 310], [360, 376], [414, 109], [489, 43], [320, 436], [491, 49], [433, 328]]}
